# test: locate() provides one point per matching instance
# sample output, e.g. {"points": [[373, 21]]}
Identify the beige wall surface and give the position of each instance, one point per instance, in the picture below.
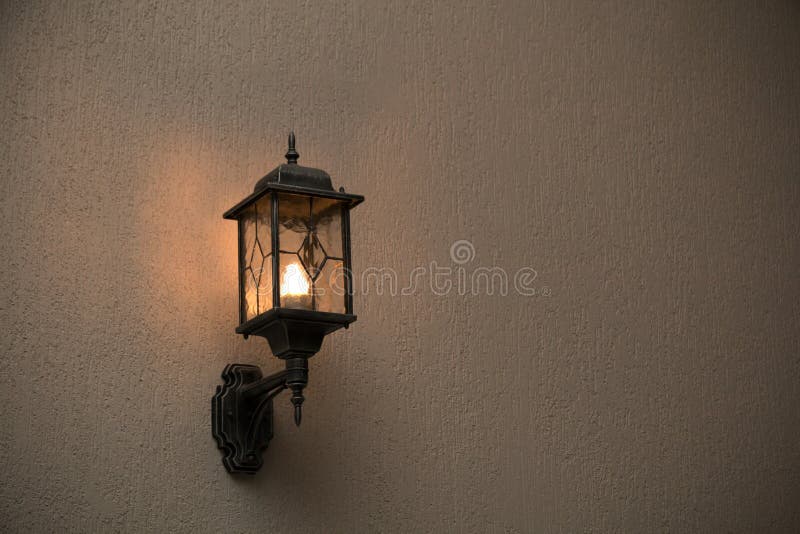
{"points": [[642, 157]]}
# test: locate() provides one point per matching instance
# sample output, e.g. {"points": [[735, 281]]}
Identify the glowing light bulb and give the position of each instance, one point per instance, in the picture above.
{"points": [[295, 289]]}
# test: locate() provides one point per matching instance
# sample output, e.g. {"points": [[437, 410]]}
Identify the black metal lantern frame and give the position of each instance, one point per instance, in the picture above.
{"points": [[294, 238]]}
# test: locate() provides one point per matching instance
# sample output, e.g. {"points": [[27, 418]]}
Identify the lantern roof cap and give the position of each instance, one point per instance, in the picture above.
{"points": [[290, 173], [297, 175], [293, 178]]}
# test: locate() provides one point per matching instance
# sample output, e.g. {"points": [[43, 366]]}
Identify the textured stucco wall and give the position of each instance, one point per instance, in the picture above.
{"points": [[643, 157]]}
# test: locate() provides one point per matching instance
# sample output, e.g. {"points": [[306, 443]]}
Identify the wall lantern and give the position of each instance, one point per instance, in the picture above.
{"points": [[295, 287]]}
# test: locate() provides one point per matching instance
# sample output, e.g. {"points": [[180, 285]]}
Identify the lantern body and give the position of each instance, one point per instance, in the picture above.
{"points": [[309, 255], [294, 255]]}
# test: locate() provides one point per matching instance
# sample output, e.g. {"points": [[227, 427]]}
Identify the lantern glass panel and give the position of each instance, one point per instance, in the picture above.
{"points": [[255, 258], [330, 287], [328, 215], [310, 237], [293, 221]]}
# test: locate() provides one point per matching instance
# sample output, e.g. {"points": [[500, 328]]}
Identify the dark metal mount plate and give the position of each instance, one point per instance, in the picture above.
{"points": [[241, 433]]}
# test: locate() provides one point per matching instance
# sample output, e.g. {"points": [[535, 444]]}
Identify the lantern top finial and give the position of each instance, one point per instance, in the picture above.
{"points": [[291, 155]]}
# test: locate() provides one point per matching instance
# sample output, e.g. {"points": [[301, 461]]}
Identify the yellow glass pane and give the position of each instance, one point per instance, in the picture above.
{"points": [[265, 286], [263, 217], [250, 295]]}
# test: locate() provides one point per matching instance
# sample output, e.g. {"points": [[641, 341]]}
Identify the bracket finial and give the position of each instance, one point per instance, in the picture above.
{"points": [[297, 401]]}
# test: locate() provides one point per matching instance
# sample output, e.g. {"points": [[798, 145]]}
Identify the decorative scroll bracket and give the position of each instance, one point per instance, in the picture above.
{"points": [[241, 415]]}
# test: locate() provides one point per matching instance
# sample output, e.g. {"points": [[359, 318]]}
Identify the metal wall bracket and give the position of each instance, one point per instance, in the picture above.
{"points": [[241, 415]]}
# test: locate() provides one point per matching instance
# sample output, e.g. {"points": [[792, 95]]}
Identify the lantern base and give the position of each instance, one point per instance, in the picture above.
{"points": [[241, 415], [292, 332]]}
